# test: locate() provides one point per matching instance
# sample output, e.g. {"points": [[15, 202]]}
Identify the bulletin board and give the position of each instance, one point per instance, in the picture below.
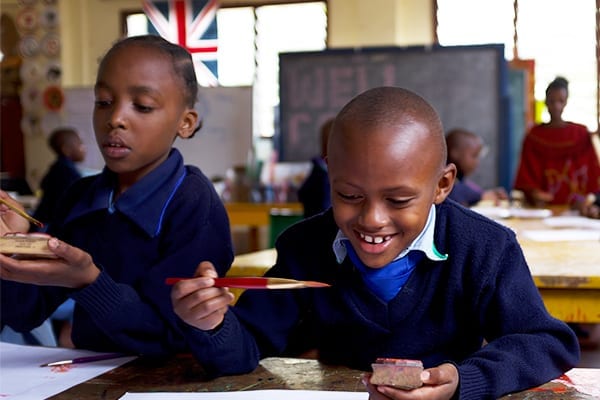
{"points": [[224, 140], [467, 85]]}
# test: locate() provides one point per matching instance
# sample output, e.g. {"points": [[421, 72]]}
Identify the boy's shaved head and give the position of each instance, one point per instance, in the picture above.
{"points": [[387, 169], [393, 107]]}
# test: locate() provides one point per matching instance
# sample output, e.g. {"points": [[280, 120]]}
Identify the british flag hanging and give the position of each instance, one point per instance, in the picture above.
{"points": [[193, 25]]}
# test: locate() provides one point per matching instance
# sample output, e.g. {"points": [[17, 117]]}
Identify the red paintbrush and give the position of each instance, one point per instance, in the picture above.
{"points": [[258, 282]]}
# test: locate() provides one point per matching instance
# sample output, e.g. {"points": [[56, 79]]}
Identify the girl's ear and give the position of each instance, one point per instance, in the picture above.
{"points": [[445, 183], [188, 124]]}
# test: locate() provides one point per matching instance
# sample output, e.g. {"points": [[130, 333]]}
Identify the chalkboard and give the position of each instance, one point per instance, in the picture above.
{"points": [[224, 140], [466, 84]]}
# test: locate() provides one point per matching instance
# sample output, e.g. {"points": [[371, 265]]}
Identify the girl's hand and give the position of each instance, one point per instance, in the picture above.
{"points": [[439, 383], [539, 198], [10, 221], [197, 302], [73, 267]]}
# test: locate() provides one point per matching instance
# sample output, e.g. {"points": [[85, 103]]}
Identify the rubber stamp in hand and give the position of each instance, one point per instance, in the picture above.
{"points": [[24, 245], [399, 373]]}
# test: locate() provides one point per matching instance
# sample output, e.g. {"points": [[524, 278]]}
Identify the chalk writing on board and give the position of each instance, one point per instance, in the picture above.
{"points": [[466, 84]]}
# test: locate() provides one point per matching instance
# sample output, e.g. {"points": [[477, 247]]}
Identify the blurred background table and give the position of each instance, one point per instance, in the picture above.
{"points": [[274, 217]]}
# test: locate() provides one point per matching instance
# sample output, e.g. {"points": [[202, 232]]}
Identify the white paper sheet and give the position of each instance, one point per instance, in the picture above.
{"points": [[572, 221], [497, 212], [21, 376], [561, 235], [584, 380], [251, 395]]}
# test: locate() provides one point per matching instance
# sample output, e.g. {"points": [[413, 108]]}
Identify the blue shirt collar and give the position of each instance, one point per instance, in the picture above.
{"points": [[423, 242], [144, 203]]}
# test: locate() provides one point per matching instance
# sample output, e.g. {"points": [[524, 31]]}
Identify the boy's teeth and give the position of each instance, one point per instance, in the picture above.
{"points": [[372, 239]]}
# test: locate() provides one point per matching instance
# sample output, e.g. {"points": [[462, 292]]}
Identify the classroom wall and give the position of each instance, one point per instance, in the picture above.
{"points": [[89, 27]]}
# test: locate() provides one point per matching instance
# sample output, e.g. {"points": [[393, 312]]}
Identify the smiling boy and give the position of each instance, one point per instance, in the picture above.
{"points": [[413, 275]]}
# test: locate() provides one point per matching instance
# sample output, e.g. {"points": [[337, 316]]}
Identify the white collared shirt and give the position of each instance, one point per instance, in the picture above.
{"points": [[423, 242]]}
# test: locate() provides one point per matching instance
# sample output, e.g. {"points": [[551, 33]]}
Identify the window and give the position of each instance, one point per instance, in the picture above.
{"points": [[250, 39], [558, 35]]}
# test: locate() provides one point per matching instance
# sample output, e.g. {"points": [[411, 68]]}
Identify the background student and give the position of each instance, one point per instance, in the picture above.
{"points": [[465, 150], [66, 144], [314, 193], [558, 164], [147, 216], [412, 275]]}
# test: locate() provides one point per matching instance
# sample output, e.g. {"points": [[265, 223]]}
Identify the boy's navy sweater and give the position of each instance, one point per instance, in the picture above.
{"points": [[443, 313], [164, 225]]}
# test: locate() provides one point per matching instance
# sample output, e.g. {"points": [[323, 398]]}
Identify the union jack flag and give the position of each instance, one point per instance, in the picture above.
{"points": [[191, 24]]}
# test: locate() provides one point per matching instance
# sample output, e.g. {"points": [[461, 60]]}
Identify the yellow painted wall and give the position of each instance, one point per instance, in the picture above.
{"points": [[89, 27]]}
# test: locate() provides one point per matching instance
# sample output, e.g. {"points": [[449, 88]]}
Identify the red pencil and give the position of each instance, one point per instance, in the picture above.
{"points": [[258, 282]]}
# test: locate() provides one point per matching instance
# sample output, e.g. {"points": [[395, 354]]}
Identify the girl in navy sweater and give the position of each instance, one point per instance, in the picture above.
{"points": [[147, 216], [413, 274]]}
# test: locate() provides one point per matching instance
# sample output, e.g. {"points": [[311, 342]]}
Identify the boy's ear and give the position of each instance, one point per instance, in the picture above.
{"points": [[188, 124], [445, 183]]}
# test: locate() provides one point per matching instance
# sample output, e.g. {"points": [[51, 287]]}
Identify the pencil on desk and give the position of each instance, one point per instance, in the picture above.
{"points": [[256, 282], [22, 213], [83, 360]]}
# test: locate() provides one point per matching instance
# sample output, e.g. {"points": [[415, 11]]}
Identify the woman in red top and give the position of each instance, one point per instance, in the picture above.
{"points": [[558, 163]]}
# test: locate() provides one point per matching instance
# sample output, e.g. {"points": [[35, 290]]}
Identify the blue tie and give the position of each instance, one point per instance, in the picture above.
{"points": [[386, 282]]}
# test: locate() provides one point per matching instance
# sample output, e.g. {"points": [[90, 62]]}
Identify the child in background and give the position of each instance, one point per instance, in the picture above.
{"points": [[465, 151], [314, 193], [147, 216], [558, 162], [69, 149], [412, 275]]}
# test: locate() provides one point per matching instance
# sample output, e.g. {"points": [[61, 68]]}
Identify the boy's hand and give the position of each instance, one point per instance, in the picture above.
{"points": [[439, 383], [74, 268], [197, 302], [11, 222]]}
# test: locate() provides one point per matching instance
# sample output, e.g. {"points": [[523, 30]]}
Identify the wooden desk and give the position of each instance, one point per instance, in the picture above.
{"points": [[257, 215], [566, 273], [183, 374]]}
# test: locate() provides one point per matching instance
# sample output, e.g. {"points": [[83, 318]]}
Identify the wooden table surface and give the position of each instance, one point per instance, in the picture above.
{"points": [[183, 374], [567, 273]]}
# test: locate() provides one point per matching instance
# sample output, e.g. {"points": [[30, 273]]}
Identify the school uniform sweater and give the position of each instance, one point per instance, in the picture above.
{"points": [[484, 290], [465, 191], [164, 225]]}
